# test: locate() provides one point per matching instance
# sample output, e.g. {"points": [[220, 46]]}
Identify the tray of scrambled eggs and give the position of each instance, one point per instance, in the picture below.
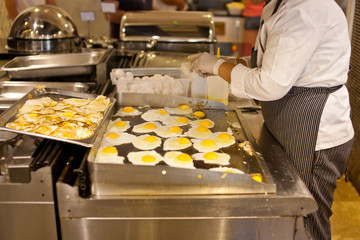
{"points": [[60, 115]]}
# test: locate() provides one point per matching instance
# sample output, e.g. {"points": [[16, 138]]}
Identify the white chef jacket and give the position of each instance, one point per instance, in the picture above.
{"points": [[21, 5], [306, 44]]}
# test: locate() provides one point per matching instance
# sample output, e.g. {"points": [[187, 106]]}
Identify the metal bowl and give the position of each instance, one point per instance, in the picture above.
{"points": [[43, 28]]}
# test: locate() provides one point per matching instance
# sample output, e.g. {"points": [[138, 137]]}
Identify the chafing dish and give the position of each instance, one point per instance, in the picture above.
{"points": [[53, 65], [42, 29], [168, 31]]}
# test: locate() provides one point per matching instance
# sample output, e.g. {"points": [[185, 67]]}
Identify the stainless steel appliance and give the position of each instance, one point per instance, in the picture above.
{"points": [[168, 31], [43, 29]]}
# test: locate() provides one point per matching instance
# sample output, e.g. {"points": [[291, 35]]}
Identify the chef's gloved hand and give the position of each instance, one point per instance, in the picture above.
{"points": [[205, 64]]}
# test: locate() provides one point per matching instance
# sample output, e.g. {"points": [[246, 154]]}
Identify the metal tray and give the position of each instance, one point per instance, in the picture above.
{"points": [[55, 94], [53, 65], [128, 179]]}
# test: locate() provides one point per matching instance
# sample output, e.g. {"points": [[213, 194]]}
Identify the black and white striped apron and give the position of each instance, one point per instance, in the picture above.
{"points": [[294, 121]]}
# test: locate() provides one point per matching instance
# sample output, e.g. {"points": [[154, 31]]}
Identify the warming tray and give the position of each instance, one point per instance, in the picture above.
{"points": [[55, 94], [53, 65], [127, 179]]}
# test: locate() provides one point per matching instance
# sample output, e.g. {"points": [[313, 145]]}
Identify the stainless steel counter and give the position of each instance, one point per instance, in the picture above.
{"points": [[217, 216]]}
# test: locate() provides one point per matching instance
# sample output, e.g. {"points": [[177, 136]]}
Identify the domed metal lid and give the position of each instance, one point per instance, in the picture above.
{"points": [[43, 22]]}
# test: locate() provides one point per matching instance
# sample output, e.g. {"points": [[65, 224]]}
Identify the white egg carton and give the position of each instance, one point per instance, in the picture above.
{"points": [[163, 81]]}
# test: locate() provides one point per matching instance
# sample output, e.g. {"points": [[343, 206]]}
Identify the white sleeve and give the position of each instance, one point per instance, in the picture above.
{"points": [[291, 42]]}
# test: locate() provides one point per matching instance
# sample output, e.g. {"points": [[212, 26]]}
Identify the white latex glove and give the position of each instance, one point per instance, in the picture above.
{"points": [[205, 64]]}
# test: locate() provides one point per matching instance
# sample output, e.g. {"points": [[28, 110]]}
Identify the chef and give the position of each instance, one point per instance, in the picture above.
{"points": [[298, 70]]}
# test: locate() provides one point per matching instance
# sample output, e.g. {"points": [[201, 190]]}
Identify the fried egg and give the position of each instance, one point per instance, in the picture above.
{"points": [[76, 101], [145, 158], [175, 121], [199, 132], [199, 114], [109, 154], [118, 138], [118, 125], [32, 105], [227, 170], [181, 110], [203, 122], [99, 104], [128, 111], [213, 158], [223, 139], [146, 142], [168, 131], [177, 143], [84, 132], [154, 115], [178, 159], [205, 145], [45, 129], [146, 127]]}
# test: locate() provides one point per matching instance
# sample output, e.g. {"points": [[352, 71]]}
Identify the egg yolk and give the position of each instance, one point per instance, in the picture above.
{"points": [[151, 139], [31, 115], [210, 156], [68, 114], [202, 129], [184, 107], [230, 171], [208, 142], [183, 141], [184, 157], [205, 123], [175, 129], [224, 136], [163, 112], [182, 120], [150, 126], [148, 158], [43, 129], [109, 149], [120, 124], [128, 109], [199, 114], [112, 135]]}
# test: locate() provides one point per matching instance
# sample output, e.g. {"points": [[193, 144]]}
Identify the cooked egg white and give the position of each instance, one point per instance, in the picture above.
{"points": [[223, 139], [117, 138], [175, 121], [199, 132], [205, 145], [178, 159], [146, 142], [118, 125], [128, 111], [168, 131], [227, 170], [213, 158], [144, 158], [146, 127], [203, 122], [176, 143], [109, 154], [154, 115], [181, 110]]}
